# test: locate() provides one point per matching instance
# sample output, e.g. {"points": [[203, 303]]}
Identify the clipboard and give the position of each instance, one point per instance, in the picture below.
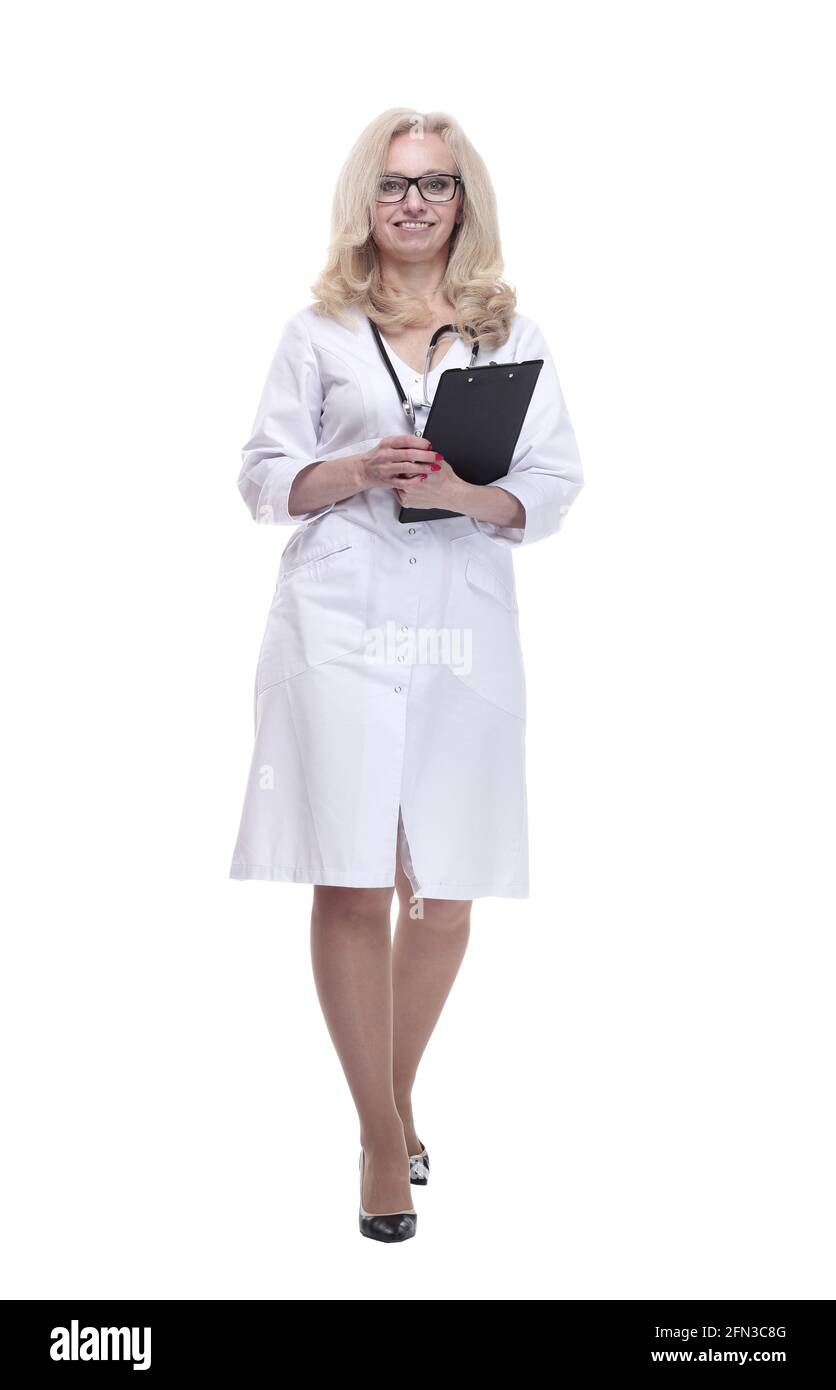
{"points": [[475, 420]]}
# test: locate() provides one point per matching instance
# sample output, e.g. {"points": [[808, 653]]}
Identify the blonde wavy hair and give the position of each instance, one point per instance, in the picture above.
{"points": [[472, 279]]}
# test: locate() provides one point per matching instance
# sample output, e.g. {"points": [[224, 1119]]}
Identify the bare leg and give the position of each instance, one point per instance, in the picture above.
{"points": [[351, 953], [426, 954]]}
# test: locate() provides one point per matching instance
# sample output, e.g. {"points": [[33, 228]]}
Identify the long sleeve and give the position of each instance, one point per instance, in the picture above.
{"points": [[546, 472], [285, 433]]}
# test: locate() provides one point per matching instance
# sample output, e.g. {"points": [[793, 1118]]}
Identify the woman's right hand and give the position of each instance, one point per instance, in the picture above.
{"points": [[394, 458]]}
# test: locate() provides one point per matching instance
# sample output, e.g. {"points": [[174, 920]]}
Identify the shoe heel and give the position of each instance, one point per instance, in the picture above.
{"points": [[419, 1168]]}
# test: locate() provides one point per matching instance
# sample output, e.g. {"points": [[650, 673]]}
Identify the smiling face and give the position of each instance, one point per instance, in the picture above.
{"points": [[426, 241]]}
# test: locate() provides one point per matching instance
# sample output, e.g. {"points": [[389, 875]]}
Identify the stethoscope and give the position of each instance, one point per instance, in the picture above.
{"points": [[405, 400]]}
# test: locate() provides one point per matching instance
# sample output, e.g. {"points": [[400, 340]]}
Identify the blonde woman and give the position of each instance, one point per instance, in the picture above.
{"points": [[390, 703]]}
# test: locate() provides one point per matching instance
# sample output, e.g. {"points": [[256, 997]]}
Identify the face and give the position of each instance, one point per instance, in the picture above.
{"points": [[412, 157]]}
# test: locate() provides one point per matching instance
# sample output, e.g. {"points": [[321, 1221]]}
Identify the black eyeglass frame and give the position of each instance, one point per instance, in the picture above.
{"points": [[458, 181]]}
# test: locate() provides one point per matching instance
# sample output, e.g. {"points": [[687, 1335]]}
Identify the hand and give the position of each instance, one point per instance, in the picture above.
{"points": [[394, 459], [440, 487]]}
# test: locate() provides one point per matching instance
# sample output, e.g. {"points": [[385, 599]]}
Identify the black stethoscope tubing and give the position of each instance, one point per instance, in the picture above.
{"points": [[405, 400]]}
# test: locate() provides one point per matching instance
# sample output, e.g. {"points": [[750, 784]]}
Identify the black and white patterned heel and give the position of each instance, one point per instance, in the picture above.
{"points": [[385, 1225], [419, 1168]]}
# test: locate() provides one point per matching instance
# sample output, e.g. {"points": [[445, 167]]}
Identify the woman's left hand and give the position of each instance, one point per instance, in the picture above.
{"points": [[441, 487]]}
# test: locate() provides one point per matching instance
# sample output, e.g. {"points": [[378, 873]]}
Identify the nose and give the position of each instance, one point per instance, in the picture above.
{"points": [[413, 204]]}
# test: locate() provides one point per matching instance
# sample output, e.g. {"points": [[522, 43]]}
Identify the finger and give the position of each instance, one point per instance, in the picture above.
{"points": [[406, 441], [408, 467]]}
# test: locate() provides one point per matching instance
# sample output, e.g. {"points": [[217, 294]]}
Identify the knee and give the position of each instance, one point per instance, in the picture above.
{"points": [[348, 906], [444, 914]]}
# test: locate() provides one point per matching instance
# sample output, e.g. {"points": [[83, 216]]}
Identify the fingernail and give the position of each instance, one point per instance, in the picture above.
{"points": [[436, 466], [440, 456]]}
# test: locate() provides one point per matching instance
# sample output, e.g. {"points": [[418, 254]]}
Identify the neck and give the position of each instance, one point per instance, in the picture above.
{"points": [[419, 280]]}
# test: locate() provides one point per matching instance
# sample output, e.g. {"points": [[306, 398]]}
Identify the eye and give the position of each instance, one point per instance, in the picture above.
{"points": [[390, 185]]}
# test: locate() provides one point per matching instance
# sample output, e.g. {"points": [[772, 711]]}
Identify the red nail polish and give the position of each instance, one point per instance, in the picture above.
{"points": [[437, 466], [440, 456]]}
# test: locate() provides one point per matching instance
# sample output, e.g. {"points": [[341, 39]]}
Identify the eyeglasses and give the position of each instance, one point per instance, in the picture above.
{"points": [[435, 188]]}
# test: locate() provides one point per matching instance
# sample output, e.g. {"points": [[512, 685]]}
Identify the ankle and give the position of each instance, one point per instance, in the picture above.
{"points": [[404, 1108], [383, 1137], [413, 1143]]}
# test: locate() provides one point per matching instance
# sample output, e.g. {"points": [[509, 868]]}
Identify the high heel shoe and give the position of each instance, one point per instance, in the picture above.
{"points": [[419, 1167], [385, 1225]]}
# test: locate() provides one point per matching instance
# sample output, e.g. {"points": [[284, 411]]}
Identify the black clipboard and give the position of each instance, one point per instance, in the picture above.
{"points": [[475, 420]]}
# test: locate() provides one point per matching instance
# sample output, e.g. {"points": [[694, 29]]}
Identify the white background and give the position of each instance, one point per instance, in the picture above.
{"points": [[629, 1095]]}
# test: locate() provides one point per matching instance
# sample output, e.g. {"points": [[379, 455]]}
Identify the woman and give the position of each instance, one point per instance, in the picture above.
{"points": [[390, 692]]}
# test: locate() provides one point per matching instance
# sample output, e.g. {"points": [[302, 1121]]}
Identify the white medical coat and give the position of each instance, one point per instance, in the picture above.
{"points": [[390, 700]]}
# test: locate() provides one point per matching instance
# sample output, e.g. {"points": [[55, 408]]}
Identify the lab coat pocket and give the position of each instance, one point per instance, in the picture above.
{"points": [[288, 571], [482, 610], [319, 608], [483, 577]]}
